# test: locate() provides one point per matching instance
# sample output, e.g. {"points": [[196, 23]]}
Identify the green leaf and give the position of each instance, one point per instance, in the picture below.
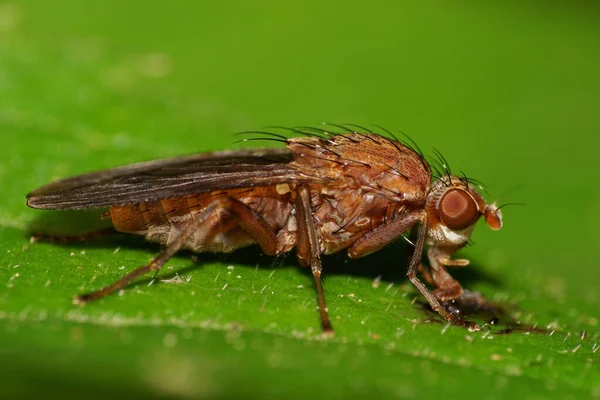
{"points": [[508, 93]]}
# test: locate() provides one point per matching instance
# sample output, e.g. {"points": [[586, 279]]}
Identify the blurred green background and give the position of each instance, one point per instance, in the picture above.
{"points": [[508, 92]]}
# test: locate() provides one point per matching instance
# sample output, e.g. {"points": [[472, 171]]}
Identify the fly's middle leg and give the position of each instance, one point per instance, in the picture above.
{"points": [[309, 252]]}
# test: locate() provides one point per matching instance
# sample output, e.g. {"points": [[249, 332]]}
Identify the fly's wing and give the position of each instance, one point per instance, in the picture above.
{"points": [[168, 178]]}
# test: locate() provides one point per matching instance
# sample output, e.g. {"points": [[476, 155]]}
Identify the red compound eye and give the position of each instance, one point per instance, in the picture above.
{"points": [[458, 210]]}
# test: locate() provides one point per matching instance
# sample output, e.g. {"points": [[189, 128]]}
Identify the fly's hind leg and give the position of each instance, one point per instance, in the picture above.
{"points": [[253, 224], [65, 239]]}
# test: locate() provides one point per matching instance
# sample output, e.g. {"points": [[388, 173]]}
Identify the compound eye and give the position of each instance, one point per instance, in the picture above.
{"points": [[458, 210]]}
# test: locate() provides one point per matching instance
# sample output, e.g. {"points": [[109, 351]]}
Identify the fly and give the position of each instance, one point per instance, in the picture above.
{"points": [[323, 193]]}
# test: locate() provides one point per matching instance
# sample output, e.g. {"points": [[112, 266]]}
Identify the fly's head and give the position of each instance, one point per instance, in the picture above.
{"points": [[453, 207]]}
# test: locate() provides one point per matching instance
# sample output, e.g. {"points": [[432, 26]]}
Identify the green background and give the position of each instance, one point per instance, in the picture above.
{"points": [[509, 93]]}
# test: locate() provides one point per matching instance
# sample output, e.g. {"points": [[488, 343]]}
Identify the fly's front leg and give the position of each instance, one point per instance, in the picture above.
{"points": [[432, 299], [450, 290], [447, 288], [422, 268], [391, 230], [384, 234], [425, 273], [308, 250], [253, 224]]}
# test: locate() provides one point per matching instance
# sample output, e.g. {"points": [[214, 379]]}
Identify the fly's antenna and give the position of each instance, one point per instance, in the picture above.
{"points": [[510, 204], [511, 190]]}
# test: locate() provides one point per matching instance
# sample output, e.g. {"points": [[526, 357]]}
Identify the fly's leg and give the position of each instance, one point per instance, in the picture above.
{"points": [[387, 233], [450, 291], [156, 263], [64, 239], [308, 250], [431, 299], [425, 273], [256, 227], [422, 268], [384, 234], [447, 287]]}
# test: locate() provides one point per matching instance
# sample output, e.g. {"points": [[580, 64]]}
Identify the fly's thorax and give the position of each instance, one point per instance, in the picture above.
{"points": [[364, 161], [453, 208]]}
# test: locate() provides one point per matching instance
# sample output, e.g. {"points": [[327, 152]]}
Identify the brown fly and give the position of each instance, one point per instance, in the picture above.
{"points": [[325, 192]]}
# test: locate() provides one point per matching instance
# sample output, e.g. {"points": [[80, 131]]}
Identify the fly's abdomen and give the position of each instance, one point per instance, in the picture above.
{"points": [[147, 219], [163, 221]]}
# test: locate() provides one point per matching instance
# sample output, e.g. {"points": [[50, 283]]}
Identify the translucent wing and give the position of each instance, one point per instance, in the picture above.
{"points": [[169, 178]]}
